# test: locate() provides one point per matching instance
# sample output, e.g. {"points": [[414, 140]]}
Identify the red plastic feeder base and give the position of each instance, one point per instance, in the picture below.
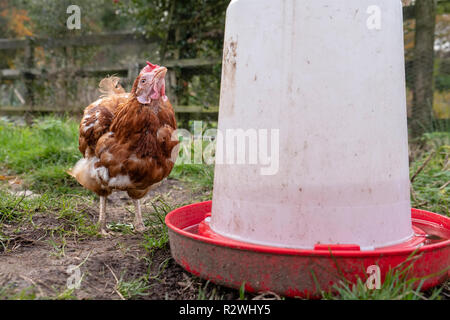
{"points": [[302, 273]]}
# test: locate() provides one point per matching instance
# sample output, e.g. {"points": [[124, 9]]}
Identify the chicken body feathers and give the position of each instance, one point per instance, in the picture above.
{"points": [[126, 145]]}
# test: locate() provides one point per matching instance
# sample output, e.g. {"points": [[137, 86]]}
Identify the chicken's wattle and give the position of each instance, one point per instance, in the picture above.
{"points": [[154, 92]]}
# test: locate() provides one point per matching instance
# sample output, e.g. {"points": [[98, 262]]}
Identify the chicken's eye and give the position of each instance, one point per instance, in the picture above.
{"points": [[143, 81]]}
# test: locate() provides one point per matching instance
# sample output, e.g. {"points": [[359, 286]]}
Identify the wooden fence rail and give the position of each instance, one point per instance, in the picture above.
{"points": [[31, 73], [14, 74], [114, 38], [183, 112]]}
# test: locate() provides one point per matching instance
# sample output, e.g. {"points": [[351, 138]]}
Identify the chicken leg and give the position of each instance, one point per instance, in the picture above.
{"points": [[102, 217], [138, 223]]}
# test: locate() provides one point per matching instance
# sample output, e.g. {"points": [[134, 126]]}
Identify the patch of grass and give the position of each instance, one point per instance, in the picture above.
{"points": [[431, 175], [200, 176], [134, 288], [435, 140], [67, 294], [242, 291], [124, 228], [4, 241], [394, 288], [161, 268], [9, 293], [75, 220], [158, 241], [68, 211], [55, 179], [157, 236], [191, 165], [13, 208], [398, 284], [42, 153], [58, 248], [208, 294]]}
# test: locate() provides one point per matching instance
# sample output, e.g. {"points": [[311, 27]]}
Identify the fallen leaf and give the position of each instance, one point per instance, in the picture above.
{"points": [[3, 178]]}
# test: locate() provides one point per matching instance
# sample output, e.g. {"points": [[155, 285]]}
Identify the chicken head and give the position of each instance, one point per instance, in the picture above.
{"points": [[151, 83]]}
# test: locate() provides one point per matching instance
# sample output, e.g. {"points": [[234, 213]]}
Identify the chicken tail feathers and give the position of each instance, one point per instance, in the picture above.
{"points": [[70, 172], [87, 175], [110, 86]]}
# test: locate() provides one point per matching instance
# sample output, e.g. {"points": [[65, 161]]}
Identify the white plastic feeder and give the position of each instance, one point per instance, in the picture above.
{"points": [[324, 82], [329, 75]]}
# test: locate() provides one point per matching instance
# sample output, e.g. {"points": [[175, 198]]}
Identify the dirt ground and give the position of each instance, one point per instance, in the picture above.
{"points": [[34, 265], [37, 265]]}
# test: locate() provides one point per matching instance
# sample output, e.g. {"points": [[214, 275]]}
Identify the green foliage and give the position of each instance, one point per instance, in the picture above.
{"points": [[42, 152], [443, 7], [124, 228], [68, 210], [49, 17], [442, 82], [205, 293], [442, 74], [187, 29], [13, 208], [397, 285], [133, 289], [200, 175], [242, 291], [430, 188], [8, 293], [157, 236], [67, 294], [188, 25]]}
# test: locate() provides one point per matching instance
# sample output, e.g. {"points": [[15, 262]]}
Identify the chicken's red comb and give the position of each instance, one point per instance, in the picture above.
{"points": [[152, 66], [149, 67]]}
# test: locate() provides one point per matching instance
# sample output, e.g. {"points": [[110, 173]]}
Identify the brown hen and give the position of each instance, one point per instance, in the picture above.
{"points": [[128, 141]]}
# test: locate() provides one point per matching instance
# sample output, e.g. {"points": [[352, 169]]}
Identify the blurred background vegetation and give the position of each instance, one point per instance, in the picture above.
{"points": [[179, 31], [48, 74], [187, 36]]}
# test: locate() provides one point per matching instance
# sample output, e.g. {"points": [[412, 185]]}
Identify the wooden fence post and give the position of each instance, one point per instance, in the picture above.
{"points": [[28, 78]]}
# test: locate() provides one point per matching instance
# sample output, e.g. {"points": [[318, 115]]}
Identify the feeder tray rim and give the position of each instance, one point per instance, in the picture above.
{"points": [[245, 246]]}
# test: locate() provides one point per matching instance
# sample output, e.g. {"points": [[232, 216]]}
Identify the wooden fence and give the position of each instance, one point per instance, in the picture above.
{"points": [[30, 73]]}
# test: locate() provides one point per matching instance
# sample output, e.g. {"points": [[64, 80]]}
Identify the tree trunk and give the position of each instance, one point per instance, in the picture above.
{"points": [[422, 110]]}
